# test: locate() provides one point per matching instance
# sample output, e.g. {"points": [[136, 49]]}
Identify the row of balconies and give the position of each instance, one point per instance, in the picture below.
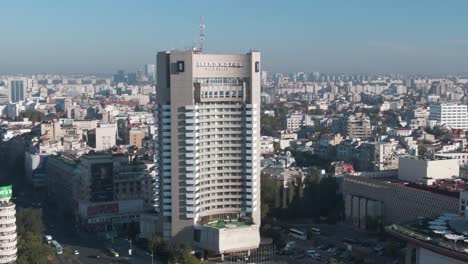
{"points": [[10, 228], [7, 221], [7, 258]]}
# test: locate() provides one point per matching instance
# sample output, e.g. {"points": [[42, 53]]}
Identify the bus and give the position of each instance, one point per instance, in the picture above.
{"points": [[315, 231], [58, 247], [297, 234]]}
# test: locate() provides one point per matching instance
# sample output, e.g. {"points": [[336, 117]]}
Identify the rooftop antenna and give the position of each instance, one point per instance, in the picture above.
{"points": [[202, 33]]}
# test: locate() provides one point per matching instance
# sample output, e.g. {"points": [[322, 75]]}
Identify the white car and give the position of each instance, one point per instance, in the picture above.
{"points": [[76, 252]]}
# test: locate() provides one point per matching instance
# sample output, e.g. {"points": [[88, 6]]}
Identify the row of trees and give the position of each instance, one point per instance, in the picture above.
{"points": [[314, 197], [35, 116], [30, 246], [171, 253]]}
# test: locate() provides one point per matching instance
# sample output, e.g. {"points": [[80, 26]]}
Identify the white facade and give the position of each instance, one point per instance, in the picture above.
{"points": [[452, 115], [294, 122], [106, 136], [461, 157], [266, 145], [419, 170], [7, 231]]}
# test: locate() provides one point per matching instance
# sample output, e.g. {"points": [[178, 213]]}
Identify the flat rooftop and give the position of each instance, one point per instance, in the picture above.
{"points": [[436, 234], [431, 158], [220, 224], [450, 187]]}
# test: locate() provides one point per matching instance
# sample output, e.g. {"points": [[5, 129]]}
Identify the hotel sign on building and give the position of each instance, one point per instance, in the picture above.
{"points": [[218, 66]]}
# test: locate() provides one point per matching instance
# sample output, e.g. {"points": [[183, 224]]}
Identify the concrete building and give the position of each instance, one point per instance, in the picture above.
{"points": [[266, 145], [359, 126], [461, 157], [376, 156], [136, 137], [454, 116], [208, 149], [286, 137], [393, 201], [424, 244], [427, 170], [106, 136], [294, 122], [7, 226], [17, 91], [104, 192]]}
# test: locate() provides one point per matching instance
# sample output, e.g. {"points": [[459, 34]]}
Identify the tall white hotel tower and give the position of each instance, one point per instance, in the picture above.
{"points": [[8, 248], [207, 149]]}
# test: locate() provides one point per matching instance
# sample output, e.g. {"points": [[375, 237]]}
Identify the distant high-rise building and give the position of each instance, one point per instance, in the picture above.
{"points": [[208, 149], [119, 77], [17, 91], [132, 78], [8, 241], [150, 71], [453, 115]]}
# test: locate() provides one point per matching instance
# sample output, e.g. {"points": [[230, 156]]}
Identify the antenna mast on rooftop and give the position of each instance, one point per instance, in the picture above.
{"points": [[202, 33]]}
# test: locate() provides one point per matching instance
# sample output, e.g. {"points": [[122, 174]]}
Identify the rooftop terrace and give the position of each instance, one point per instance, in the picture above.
{"points": [[436, 234]]}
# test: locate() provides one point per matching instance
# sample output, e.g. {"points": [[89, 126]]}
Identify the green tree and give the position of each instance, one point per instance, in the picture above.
{"points": [[32, 250], [30, 246], [29, 220], [35, 116], [173, 253], [422, 150]]}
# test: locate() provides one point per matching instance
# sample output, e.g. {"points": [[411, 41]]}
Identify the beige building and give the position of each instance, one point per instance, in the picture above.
{"points": [[136, 137], [359, 126], [208, 149], [427, 170]]}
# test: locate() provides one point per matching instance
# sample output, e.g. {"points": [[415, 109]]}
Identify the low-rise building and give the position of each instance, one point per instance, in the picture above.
{"points": [[427, 170], [105, 192], [266, 145], [359, 126], [377, 156], [390, 201]]}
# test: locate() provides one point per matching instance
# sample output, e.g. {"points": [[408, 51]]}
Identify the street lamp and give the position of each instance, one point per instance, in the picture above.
{"points": [[152, 258], [130, 250]]}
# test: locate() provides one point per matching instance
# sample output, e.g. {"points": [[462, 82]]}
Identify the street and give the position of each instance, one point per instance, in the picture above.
{"points": [[88, 245], [329, 244]]}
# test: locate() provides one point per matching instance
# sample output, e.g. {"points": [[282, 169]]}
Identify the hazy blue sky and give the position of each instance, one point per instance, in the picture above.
{"points": [[86, 36]]}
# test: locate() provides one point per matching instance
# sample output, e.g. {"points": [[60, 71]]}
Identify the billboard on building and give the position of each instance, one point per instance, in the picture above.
{"points": [[6, 191], [102, 182], [103, 209]]}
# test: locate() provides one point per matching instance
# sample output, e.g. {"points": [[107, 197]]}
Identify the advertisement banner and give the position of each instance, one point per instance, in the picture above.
{"points": [[6, 192]]}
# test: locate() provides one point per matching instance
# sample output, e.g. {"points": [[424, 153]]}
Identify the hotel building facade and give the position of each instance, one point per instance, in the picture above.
{"points": [[207, 149]]}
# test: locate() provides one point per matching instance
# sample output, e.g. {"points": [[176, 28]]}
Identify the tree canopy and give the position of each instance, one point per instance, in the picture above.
{"points": [[172, 253], [314, 197], [30, 246]]}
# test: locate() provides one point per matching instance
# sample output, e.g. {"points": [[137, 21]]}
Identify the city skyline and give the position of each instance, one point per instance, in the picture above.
{"points": [[89, 37]]}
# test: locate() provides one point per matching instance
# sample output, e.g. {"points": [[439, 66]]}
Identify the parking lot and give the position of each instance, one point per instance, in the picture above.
{"points": [[340, 243]]}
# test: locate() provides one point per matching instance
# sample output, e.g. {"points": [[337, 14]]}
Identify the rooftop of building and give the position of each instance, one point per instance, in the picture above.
{"points": [[426, 158], [220, 224], [446, 234], [450, 187]]}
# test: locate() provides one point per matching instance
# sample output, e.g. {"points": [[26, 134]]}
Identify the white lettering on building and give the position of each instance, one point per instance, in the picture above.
{"points": [[217, 66]]}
